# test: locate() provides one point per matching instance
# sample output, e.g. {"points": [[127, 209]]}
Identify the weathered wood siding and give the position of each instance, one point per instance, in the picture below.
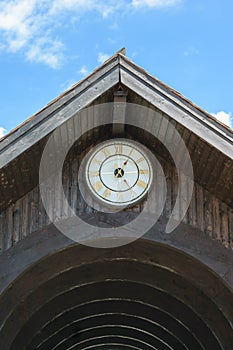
{"points": [[27, 215]]}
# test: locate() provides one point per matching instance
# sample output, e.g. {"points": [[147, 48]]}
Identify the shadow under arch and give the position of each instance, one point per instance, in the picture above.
{"points": [[145, 295]]}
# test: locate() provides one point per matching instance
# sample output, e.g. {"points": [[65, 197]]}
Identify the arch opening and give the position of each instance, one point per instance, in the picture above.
{"points": [[142, 296]]}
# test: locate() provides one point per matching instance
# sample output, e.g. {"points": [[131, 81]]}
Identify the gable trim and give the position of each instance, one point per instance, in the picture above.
{"points": [[192, 119]]}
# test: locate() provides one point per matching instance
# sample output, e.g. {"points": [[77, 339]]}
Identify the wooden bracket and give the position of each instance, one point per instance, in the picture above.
{"points": [[119, 111]]}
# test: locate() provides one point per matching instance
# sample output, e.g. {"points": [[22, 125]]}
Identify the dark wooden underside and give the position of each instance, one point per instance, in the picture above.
{"points": [[145, 295]]}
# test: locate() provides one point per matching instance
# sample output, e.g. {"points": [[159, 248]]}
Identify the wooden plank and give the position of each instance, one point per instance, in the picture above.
{"points": [[230, 228], [30, 212], [185, 189], [174, 191], [156, 123], [168, 140], [194, 206], [206, 163], [73, 180], [200, 164], [163, 128], [149, 118], [168, 205], [200, 207], [119, 112], [16, 218], [90, 122], [224, 225], [25, 216], [180, 151], [217, 168], [208, 214], [8, 238], [216, 218], [2, 229]]}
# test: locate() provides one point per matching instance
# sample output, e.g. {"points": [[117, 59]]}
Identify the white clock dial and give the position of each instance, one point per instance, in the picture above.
{"points": [[119, 172]]}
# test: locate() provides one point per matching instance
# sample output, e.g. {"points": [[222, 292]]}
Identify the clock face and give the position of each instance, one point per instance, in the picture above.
{"points": [[118, 172]]}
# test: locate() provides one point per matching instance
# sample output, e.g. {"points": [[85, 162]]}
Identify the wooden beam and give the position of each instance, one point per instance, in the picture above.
{"points": [[119, 111]]}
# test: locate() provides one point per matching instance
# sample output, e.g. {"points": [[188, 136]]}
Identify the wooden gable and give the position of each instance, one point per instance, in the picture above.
{"points": [[208, 141]]}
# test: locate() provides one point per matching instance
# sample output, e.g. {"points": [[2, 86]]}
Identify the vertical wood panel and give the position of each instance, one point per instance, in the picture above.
{"points": [[224, 225], [208, 214], [168, 205], [216, 218], [200, 207], [16, 220], [9, 228], [2, 229], [25, 216], [231, 227]]}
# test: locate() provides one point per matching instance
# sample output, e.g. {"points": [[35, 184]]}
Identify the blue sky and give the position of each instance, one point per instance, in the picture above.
{"points": [[48, 45]]}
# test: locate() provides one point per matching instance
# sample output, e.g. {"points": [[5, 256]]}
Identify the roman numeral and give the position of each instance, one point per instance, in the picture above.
{"points": [[94, 173], [143, 171], [118, 149], [119, 196], [97, 161], [107, 193], [106, 152], [98, 186], [133, 193], [141, 184], [130, 152], [139, 160]]}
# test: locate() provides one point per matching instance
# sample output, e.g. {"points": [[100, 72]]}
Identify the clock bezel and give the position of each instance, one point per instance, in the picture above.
{"points": [[131, 143]]}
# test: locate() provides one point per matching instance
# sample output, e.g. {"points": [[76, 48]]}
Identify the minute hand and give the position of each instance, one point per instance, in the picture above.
{"points": [[126, 182]]}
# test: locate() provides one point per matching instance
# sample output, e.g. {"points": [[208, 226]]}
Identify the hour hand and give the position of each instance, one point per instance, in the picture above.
{"points": [[125, 163]]}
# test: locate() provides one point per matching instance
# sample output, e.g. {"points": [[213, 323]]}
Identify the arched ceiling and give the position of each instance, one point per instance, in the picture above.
{"points": [[142, 296]]}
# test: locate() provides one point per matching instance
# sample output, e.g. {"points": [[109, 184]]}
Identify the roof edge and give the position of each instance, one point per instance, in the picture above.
{"points": [[113, 60], [175, 93]]}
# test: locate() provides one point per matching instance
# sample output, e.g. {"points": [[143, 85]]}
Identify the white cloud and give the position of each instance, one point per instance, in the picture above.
{"points": [[103, 7], [47, 51], [29, 25], [155, 3], [83, 70], [102, 57], [2, 131], [223, 117], [191, 51], [24, 25], [15, 22], [68, 84]]}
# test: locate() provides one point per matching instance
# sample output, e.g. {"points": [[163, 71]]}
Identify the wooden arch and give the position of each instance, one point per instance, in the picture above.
{"points": [[146, 295]]}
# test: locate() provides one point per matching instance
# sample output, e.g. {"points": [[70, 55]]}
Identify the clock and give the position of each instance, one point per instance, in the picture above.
{"points": [[118, 173]]}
